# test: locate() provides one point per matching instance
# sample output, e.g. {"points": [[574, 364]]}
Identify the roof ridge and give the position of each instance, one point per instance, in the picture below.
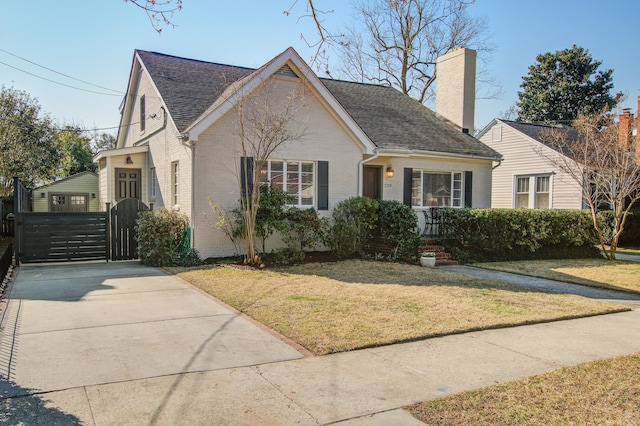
{"points": [[196, 60]]}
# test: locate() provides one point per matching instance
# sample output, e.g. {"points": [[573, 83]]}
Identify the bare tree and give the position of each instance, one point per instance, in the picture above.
{"points": [[265, 120], [397, 42], [160, 12], [607, 171]]}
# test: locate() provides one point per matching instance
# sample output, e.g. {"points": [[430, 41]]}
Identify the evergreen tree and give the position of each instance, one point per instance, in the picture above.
{"points": [[564, 84]]}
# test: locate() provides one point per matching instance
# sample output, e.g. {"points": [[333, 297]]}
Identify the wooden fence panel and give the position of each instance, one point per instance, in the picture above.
{"points": [[54, 237]]}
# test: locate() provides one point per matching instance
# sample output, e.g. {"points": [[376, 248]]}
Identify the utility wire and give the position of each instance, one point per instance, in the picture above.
{"points": [[59, 73], [57, 82]]}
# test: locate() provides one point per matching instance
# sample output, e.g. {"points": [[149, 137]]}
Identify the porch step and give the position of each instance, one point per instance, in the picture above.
{"points": [[443, 258]]}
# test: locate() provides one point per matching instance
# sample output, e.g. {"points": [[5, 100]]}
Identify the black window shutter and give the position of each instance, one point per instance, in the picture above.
{"points": [[468, 186], [246, 176], [323, 185], [407, 184]]}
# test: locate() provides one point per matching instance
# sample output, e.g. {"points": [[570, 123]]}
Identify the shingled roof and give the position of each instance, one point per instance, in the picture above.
{"points": [[537, 131], [391, 119]]}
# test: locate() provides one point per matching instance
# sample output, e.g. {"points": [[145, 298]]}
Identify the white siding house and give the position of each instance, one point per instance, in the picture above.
{"points": [[526, 177]]}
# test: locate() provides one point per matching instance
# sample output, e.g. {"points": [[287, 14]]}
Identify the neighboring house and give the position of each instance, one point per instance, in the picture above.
{"points": [[76, 193], [526, 177], [178, 144]]}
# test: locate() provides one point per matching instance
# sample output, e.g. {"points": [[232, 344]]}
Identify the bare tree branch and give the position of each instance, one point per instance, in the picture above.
{"points": [[607, 171], [398, 41], [159, 12]]}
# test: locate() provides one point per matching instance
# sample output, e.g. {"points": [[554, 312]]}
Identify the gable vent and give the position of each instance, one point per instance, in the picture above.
{"points": [[285, 70]]}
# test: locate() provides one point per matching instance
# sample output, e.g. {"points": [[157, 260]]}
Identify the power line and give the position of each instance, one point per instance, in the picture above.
{"points": [[57, 82], [59, 73]]}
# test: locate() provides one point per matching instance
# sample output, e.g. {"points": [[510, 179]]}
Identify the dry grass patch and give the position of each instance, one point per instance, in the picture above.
{"points": [[341, 306], [616, 275], [595, 393]]}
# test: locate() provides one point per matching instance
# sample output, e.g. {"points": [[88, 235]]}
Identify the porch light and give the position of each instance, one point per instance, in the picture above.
{"points": [[129, 160], [390, 172]]}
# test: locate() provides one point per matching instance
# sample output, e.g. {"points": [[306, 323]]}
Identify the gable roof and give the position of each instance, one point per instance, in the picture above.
{"points": [[395, 121], [536, 131], [67, 179], [188, 86], [387, 118]]}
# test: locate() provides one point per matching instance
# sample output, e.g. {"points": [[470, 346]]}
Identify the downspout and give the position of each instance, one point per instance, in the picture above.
{"points": [[497, 165], [184, 140], [361, 171]]}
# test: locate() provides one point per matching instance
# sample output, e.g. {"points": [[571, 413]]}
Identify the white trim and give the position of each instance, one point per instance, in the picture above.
{"points": [[242, 87]]}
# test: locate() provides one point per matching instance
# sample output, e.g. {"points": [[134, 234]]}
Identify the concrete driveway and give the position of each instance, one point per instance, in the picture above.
{"points": [[95, 323]]}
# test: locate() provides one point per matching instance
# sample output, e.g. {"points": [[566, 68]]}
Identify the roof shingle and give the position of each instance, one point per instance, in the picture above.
{"points": [[391, 119]]}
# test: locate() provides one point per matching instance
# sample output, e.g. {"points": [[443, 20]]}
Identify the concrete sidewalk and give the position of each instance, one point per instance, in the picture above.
{"points": [[279, 387]]}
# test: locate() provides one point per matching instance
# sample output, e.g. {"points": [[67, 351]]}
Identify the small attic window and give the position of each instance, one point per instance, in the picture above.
{"points": [[143, 113], [496, 133], [286, 71]]}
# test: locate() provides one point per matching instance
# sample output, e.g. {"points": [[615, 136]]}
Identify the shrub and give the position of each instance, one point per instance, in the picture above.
{"points": [[631, 232], [397, 223], [353, 222], [303, 229], [163, 237], [518, 234]]}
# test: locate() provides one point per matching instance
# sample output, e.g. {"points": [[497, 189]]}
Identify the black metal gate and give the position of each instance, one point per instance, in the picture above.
{"points": [[123, 220]]}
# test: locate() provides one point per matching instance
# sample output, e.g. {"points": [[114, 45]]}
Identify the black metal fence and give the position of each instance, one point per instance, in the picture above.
{"points": [[6, 217], [5, 260]]}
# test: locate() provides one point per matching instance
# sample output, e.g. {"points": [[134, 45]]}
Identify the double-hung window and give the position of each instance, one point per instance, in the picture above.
{"points": [[296, 178], [441, 189], [533, 192]]}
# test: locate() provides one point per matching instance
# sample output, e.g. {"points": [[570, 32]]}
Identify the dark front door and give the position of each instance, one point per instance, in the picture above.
{"points": [[371, 182], [127, 184]]}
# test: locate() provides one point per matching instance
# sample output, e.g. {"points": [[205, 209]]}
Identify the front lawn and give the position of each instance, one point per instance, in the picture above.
{"points": [[616, 275], [595, 393], [340, 306]]}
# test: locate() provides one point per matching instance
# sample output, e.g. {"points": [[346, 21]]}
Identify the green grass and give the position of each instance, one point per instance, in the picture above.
{"points": [[604, 392], [341, 306]]}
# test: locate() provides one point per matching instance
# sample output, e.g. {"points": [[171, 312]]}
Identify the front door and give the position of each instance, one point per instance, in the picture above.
{"points": [[127, 183], [371, 182]]}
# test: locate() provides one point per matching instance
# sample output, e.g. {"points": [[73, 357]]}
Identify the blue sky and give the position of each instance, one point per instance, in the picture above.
{"points": [[94, 41]]}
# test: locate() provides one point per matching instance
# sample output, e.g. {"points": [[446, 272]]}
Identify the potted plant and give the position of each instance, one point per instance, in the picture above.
{"points": [[428, 258]]}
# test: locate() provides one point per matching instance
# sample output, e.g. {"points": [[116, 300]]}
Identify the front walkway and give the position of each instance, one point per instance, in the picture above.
{"points": [[356, 388]]}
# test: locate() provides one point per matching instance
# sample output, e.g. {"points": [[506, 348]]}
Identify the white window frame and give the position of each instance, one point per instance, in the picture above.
{"points": [[268, 173], [175, 182], [143, 113], [456, 184], [152, 183], [534, 190]]}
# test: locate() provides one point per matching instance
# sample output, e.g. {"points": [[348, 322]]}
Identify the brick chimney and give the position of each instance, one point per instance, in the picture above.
{"points": [[456, 87], [624, 127]]}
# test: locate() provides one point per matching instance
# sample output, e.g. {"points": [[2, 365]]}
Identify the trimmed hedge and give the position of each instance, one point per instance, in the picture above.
{"points": [[485, 235]]}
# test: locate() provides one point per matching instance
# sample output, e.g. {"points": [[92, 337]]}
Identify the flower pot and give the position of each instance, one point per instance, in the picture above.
{"points": [[428, 261]]}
